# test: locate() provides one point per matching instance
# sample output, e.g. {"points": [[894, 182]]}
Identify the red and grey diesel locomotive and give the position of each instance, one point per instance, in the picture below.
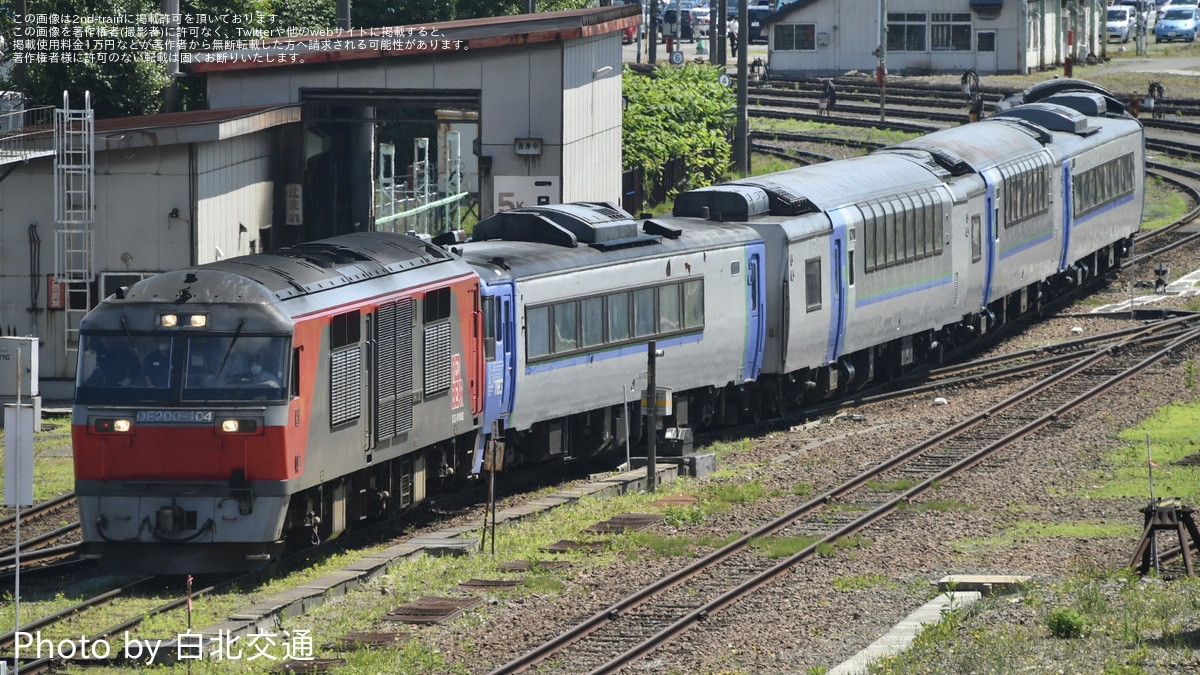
{"points": [[226, 409], [223, 409]]}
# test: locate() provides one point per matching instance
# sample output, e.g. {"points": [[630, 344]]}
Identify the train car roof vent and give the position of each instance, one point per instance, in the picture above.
{"points": [[1048, 116], [781, 200], [731, 201], [926, 159], [323, 255], [662, 229], [523, 225], [1086, 103]]}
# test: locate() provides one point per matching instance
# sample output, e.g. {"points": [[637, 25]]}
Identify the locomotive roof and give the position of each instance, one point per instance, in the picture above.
{"points": [[500, 258], [291, 272]]}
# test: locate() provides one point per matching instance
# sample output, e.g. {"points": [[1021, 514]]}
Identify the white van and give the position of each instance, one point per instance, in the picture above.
{"points": [[1121, 23]]}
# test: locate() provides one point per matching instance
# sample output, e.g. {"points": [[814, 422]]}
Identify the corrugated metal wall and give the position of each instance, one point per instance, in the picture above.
{"points": [[234, 191], [591, 119]]}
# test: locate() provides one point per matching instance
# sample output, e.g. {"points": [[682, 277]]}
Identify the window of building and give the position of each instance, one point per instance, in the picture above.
{"points": [[950, 31], [906, 32], [796, 37]]}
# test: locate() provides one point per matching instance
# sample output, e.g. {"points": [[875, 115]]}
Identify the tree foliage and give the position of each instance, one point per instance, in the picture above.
{"points": [[678, 112]]}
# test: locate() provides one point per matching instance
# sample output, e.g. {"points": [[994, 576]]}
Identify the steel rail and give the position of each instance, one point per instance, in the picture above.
{"points": [[572, 635]]}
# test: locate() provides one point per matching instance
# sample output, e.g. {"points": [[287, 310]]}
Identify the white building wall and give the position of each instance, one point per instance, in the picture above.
{"points": [[848, 34], [234, 191], [591, 119], [136, 188]]}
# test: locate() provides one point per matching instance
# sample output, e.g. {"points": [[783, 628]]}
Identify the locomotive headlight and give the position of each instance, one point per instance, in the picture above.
{"points": [[199, 320], [169, 320], [113, 426], [239, 426]]}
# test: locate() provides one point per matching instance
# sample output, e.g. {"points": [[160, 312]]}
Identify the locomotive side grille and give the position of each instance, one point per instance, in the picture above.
{"points": [[345, 383], [437, 358], [394, 376]]}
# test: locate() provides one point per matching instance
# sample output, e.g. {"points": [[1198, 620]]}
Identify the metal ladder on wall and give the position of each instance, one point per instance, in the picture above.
{"points": [[74, 190]]}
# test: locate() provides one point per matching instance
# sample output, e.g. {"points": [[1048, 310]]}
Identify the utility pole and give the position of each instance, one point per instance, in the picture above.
{"points": [[741, 144], [653, 32], [881, 55], [651, 418]]}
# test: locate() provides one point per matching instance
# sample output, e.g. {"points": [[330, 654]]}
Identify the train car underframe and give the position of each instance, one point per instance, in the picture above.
{"points": [[386, 488]]}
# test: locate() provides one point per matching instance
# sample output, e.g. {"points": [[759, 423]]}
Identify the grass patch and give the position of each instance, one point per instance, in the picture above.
{"points": [[1173, 435], [726, 494], [937, 505], [1163, 204], [832, 131], [781, 547], [860, 582], [891, 486]]}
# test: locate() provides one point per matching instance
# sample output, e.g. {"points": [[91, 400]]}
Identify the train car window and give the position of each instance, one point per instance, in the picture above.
{"points": [[294, 387], [344, 329], [644, 315], [880, 244], [869, 237], [566, 327], [537, 331], [976, 239], [889, 227], [850, 265], [668, 308], [618, 317], [591, 315], [938, 219], [488, 308], [812, 284], [910, 227], [437, 305], [693, 303], [1100, 185], [925, 232], [735, 268]]}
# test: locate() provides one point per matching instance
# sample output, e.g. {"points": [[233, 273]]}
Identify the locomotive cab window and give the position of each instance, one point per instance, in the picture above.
{"points": [[235, 368]]}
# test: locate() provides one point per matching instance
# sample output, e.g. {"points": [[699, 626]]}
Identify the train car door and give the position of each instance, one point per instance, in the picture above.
{"points": [[991, 236], [1067, 206], [837, 288], [756, 313], [499, 357]]}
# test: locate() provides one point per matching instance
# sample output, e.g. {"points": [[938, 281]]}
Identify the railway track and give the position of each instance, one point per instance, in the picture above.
{"points": [[50, 533], [635, 626]]}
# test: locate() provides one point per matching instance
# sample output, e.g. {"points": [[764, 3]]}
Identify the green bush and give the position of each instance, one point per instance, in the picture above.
{"points": [[678, 112], [1066, 623]]}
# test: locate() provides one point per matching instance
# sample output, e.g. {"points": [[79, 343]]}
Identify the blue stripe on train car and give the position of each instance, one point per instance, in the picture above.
{"points": [[1027, 244], [837, 289], [1066, 214], [616, 352], [904, 290], [989, 261], [756, 311], [1106, 208]]}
